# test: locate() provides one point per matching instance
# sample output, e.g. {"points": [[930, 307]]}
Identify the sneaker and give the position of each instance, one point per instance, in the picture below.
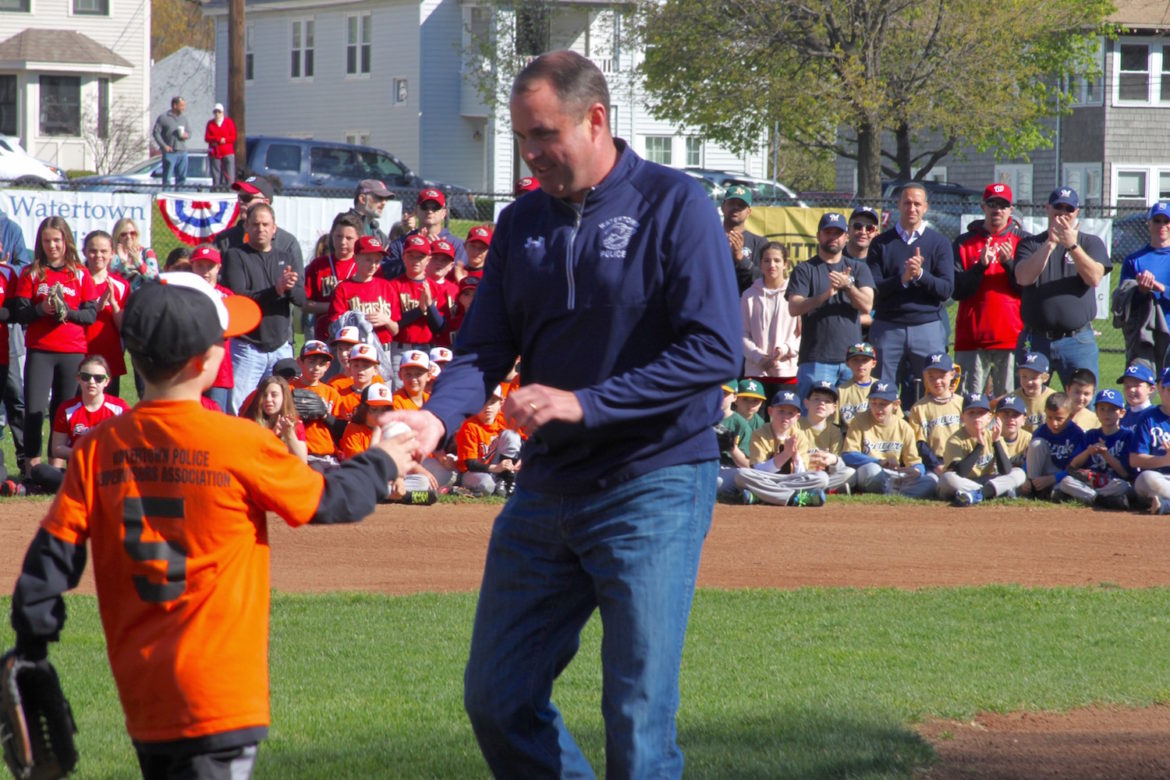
{"points": [[886, 484], [1117, 503], [11, 488], [807, 498], [1155, 507], [968, 497], [748, 497]]}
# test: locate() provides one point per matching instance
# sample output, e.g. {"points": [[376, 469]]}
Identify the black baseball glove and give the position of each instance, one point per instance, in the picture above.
{"points": [[310, 406], [36, 723], [725, 437]]}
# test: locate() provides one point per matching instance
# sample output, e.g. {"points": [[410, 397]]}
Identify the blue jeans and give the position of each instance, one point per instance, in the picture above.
{"points": [[1064, 355], [250, 364], [912, 344], [174, 168], [807, 373], [632, 552]]}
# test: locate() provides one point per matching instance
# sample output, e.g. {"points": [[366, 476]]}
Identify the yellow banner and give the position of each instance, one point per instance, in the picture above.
{"points": [[793, 226]]}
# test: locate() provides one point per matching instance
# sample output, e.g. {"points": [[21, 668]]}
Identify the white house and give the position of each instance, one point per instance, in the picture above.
{"points": [[70, 70], [392, 73]]}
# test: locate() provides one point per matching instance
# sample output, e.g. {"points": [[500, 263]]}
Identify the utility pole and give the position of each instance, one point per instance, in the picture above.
{"points": [[236, 65]]}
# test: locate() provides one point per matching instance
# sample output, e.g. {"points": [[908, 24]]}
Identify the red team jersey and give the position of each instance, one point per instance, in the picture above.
{"points": [[73, 419], [7, 285], [321, 279], [103, 337], [446, 300], [45, 333], [406, 293], [366, 297]]}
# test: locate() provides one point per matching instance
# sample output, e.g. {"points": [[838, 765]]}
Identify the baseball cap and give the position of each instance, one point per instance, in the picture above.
{"points": [[738, 191], [442, 246], [525, 184], [833, 219], [181, 316], [314, 347], [867, 212], [373, 187], [861, 348], [1166, 376], [1138, 371], [976, 401], [1011, 403], [286, 368], [883, 391], [1110, 396], [369, 245], [254, 185], [415, 357], [363, 352], [751, 388], [1066, 195], [1159, 209], [997, 191], [729, 386], [1037, 361], [941, 361], [468, 283], [441, 355], [430, 193], [378, 394], [347, 335], [785, 398], [480, 233], [823, 385], [206, 252], [416, 243], [217, 107], [498, 392]]}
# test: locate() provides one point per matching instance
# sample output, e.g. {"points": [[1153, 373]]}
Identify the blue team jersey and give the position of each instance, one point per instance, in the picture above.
{"points": [[1133, 419], [1063, 445], [1152, 436], [1118, 443]]}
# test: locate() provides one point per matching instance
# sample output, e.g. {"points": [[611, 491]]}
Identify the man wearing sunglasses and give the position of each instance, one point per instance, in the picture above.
{"points": [[1058, 272], [863, 226], [431, 214], [988, 324]]}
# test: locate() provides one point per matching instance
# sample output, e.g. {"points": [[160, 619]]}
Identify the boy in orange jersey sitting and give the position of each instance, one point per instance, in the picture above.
{"points": [[173, 499], [338, 373], [319, 432], [413, 374], [488, 453], [363, 370], [366, 429]]}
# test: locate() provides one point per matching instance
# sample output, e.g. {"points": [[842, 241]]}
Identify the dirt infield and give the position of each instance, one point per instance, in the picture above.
{"points": [[413, 549]]}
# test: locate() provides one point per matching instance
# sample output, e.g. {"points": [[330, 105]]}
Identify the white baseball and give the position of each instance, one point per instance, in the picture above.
{"points": [[396, 428]]}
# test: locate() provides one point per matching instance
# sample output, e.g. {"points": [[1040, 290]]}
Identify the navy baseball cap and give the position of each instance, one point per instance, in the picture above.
{"points": [[940, 360], [1140, 372], [976, 401], [1036, 361], [1066, 195], [867, 212], [1166, 376], [1159, 209], [1110, 396], [785, 398], [823, 385], [833, 219], [884, 391], [1011, 403]]}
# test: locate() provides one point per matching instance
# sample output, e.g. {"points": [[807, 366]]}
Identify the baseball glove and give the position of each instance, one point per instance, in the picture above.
{"points": [[57, 301], [36, 723], [310, 406]]}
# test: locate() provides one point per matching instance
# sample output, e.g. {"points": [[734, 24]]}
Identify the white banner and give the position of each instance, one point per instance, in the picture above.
{"points": [[84, 211]]}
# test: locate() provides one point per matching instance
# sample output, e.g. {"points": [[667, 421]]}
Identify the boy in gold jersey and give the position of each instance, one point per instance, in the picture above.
{"points": [[1032, 388], [1009, 416], [882, 448], [854, 394], [779, 455], [822, 439], [977, 465], [1082, 385], [937, 414]]}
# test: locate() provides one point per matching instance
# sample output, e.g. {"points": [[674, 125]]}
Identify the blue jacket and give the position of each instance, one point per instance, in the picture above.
{"points": [[12, 239], [630, 302]]}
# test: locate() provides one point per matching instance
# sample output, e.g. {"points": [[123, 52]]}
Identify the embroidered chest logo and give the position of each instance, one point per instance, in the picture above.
{"points": [[615, 236]]}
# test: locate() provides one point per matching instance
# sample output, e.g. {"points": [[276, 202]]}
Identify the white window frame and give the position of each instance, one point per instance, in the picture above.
{"points": [[1155, 67], [107, 13], [364, 44], [472, 59], [304, 54], [687, 143], [357, 137], [1086, 179], [1018, 176], [1153, 172], [669, 148], [1086, 92]]}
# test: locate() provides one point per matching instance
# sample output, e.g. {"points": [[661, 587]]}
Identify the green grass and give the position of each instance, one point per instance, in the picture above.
{"points": [[803, 684]]}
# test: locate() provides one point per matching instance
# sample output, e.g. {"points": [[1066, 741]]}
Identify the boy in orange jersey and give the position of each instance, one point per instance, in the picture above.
{"points": [[413, 375], [338, 373], [314, 361], [173, 499], [363, 372], [488, 453]]}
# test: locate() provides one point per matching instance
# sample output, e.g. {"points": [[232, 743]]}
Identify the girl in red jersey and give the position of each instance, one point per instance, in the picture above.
{"points": [[272, 407], [367, 292], [56, 301], [328, 270], [206, 262], [104, 337]]}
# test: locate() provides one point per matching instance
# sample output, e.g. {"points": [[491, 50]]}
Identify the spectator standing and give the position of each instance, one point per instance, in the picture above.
{"points": [[366, 292], [988, 324], [430, 215], [170, 135], [1058, 272], [1148, 273], [771, 335], [829, 292], [254, 191], [863, 227], [271, 278], [621, 436], [14, 255], [331, 269], [746, 246], [220, 136], [369, 200]]}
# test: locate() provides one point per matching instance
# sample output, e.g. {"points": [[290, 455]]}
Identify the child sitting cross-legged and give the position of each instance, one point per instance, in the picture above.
{"points": [[779, 456], [487, 452], [1100, 474], [881, 447], [365, 429], [978, 466], [823, 439], [1053, 445]]}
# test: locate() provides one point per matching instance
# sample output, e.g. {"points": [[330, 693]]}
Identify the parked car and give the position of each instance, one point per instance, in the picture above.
{"points": [[22, 169], [765, 192], [714, 191], [305, 165], [146, 176]]}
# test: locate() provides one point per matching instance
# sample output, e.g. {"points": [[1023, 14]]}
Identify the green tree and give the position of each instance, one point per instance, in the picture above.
{"points": [[837, 75], [178, 23]]}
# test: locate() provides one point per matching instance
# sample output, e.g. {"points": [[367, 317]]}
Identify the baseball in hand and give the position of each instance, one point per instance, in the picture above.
{"points": [[396, 428]]}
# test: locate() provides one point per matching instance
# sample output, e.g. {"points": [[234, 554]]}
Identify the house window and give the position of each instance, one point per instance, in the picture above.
{"points": [[358, 37], [103, 108], [91, 7], [360, 138], [1018, 177], [694, 152], [658, 148], [1088, 90], [8, 105], [21, 6], [249, 30], [1085, 178], [477, 32], [1142, 72], [60, 105], [401, 92], [302, 49]]}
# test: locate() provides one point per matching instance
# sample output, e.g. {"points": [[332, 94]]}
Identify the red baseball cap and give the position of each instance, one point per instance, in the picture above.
{"points": [[254, 185], [430, 193], [527, 184], [443, 247], [480, 233], [468, 283], [206, 252], [998, 190], [416, 243], [369, 245]]}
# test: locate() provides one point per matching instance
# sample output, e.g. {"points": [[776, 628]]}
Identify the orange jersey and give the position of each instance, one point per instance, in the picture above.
{"points": [[354, 441], [473, 439], [173, 500], [404, 401], [317, 435], [340, 382]]}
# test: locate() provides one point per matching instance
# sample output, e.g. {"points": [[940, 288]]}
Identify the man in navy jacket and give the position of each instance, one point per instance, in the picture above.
{"points": [[612, 283]]}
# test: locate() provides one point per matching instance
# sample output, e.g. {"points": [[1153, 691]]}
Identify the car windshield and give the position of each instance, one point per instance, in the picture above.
{"points": [[379, 166]]}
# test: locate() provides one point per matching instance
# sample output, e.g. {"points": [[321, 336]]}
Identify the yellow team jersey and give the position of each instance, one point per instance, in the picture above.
{"points": [[854, 399], [1086, 419], [961, 444], [764, 445], [1018, 450], [829, 438], [934, 421], [893, 440], [1034, 409]]}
